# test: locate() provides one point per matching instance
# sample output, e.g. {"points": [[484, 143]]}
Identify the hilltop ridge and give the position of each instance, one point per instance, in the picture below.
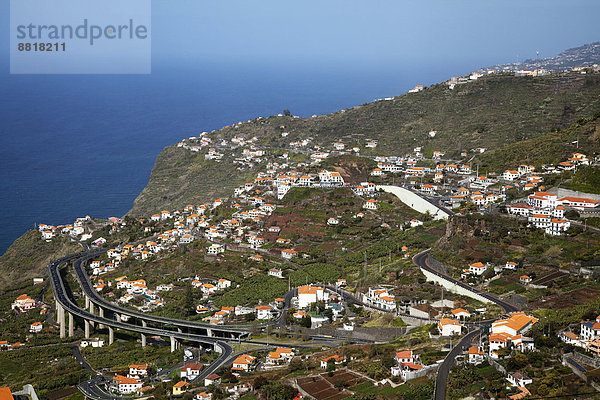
{"points": [[490, 112]]}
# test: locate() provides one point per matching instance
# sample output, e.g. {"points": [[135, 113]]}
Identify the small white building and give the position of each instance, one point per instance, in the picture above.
{"points": [[449, 327]]}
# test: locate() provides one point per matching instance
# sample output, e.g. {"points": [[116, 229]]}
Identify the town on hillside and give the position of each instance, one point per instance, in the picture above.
{"points": [[394, 278]]}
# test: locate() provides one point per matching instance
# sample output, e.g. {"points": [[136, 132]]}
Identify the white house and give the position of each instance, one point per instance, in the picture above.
{"points": [[289, 253], [215, 249], [191, 370], [370, 204], [310, 294], [212, 379], [518, 379], [138, 371], [276, 272], [95, 342], [263, 312], [517, 324], [36, 327], [476, 355], [477, 268], [125, 385], [243, 363], [460, 313], [336, 359], [223, 283], [590, 330], [449, 327], [510, 175]]}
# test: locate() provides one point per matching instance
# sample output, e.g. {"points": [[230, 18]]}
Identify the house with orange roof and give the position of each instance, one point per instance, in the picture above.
{"points": [[180, 388], [138, 371], [299, 314], [370, 204], [428, 189], [281, 355], [578, 202], [460, 313], [380, 297], [263, 312], [476, 355], [309, 294], [377, 172], [518, 323], [243, 363], [36, 327], [223, 283], [477, 268], [23, 303], [125, 385], [289, 253], [449, 327], [406, 356], [525, 279], [510, 175], [590, 330], [336, 359]]}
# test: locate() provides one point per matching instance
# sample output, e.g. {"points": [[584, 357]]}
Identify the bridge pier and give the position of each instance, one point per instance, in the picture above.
{"points": [[209, 332], [174, 344], [92, 312], [144, 324], [71, 325], [60, 312], [118, 317], [111, 335], [101, 314], [179, 330], [86, 328], [87, 302]]}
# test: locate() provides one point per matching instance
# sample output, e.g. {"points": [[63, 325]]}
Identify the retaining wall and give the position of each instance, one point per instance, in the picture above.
{"points": [[415, 201]]}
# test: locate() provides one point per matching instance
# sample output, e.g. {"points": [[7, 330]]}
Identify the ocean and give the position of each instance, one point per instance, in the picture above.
{"points": [[76, 145]]}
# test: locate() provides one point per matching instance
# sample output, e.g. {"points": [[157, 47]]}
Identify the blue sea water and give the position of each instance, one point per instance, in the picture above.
{"points": [[85, 145]]}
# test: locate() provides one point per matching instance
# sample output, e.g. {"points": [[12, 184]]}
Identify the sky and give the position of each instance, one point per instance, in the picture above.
{"points": [[328, 33]]}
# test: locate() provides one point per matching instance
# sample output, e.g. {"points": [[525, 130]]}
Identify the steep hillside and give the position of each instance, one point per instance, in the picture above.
{"points": [[491, 112], [549, 148], [29, 255]]}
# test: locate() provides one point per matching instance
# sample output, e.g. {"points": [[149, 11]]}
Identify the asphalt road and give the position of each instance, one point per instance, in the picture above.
{"points": [[92, 388], [87, 287], [441, 379], [421, 260]]}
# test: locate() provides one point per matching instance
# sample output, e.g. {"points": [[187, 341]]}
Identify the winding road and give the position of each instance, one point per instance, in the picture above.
{"points": [[422, 261]]}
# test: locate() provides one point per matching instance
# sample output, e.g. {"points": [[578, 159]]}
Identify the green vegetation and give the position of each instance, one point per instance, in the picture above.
{"points": [[489, 112], [46, 368], [551, 148], [121, 354], [258, 287], [585, 179], [29, 255], [415, 389]]}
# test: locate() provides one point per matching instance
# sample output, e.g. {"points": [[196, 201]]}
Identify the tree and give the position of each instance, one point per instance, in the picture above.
{"points": [[330, 365], [287, 112], [295, 365], [260, 381], [188, 301], [305, 322]]}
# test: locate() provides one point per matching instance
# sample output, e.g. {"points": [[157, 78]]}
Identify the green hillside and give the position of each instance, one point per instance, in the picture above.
{"points": [[491, 112], [549, 148]]}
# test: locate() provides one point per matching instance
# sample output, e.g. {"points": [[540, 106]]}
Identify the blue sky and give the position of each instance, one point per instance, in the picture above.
{"points": [[376, 32]]}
